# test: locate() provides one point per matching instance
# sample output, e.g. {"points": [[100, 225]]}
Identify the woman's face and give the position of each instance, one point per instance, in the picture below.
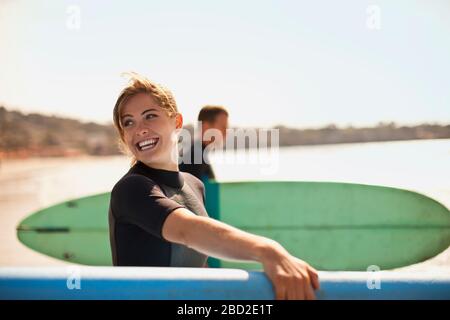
{"points": [[149, 133]]}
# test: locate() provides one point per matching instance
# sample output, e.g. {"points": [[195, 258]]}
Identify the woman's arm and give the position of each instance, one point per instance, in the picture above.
{"points": [[292, 278]]}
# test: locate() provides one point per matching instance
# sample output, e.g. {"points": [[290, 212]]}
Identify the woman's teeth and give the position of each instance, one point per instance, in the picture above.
{"points": [[147, 144]]}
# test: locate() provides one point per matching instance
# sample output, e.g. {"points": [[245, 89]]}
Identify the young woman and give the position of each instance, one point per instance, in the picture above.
{"points": [[157, 215]]}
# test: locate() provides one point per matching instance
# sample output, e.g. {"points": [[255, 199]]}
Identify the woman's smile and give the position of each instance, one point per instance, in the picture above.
{"points": [[147, 144]]}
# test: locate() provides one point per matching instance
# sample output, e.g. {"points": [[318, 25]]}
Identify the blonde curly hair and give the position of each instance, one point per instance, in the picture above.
{"points": [[140, 84]]}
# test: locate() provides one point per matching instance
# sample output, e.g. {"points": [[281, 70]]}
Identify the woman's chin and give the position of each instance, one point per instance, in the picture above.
{"points": [[145, 157]]}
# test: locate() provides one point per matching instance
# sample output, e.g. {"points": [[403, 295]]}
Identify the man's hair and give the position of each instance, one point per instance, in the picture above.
{"points": [[209, 113]]}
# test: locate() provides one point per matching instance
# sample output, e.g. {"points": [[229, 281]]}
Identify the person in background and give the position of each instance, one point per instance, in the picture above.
{"points": [[209, 117]]}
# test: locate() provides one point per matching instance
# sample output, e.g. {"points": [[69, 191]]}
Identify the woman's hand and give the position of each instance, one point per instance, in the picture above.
{"points": [[291, 277]]}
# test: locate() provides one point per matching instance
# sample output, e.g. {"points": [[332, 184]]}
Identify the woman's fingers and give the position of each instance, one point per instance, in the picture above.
{"points": [[307, 288], [298, 291], [280, 292], [300, 287], [309, 292], [292, 278], [294, 290], [288, 287], [314, 276]]}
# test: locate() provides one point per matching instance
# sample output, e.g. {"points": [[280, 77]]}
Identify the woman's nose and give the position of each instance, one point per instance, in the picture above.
{"points": [[141, 130]]}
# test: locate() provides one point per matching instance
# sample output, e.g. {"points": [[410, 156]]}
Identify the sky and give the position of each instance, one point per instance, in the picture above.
{"points": [[292, 63]]}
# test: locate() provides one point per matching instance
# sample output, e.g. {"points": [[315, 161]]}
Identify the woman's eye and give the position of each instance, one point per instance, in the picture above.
{"points": [[150, 116], [127, 123]]}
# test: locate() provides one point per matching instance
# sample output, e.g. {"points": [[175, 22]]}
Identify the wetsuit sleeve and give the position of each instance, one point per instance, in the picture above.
{"points": [[140, 201]]}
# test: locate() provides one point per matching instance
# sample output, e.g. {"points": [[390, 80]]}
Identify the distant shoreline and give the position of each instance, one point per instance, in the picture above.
{"points": [[34, 135], [74, 153]]}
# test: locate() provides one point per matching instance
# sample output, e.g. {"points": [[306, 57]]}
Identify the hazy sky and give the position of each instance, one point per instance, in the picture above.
{"points": [[297, 63]]}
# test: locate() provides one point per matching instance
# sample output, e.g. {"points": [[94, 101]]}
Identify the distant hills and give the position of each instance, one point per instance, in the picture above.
{"points": [[382, 132], [23, 135], [26, 135]]}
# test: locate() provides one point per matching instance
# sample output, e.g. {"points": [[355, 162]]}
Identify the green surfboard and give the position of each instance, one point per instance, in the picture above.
{"points": [[332, 226]]}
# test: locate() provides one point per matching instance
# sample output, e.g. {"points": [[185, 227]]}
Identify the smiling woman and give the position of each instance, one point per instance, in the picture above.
{"points": [[157, 215], [145, 116]]}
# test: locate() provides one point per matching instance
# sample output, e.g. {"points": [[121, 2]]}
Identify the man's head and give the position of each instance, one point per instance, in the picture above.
{"points": [[213, 117]]}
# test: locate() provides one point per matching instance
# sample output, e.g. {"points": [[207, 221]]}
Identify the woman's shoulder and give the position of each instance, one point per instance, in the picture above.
{"points": [[193, 181], [131, 182]]}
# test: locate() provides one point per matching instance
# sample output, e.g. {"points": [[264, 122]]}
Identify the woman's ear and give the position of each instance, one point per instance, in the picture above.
{"points": [[178, 121]]}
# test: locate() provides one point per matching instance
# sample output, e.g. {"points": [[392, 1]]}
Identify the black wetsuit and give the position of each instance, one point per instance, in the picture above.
{"points": [[140, 203], [197, 165]]}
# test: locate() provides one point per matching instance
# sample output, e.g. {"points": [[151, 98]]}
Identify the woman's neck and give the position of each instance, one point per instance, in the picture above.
{"points": [[170, 166]]}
